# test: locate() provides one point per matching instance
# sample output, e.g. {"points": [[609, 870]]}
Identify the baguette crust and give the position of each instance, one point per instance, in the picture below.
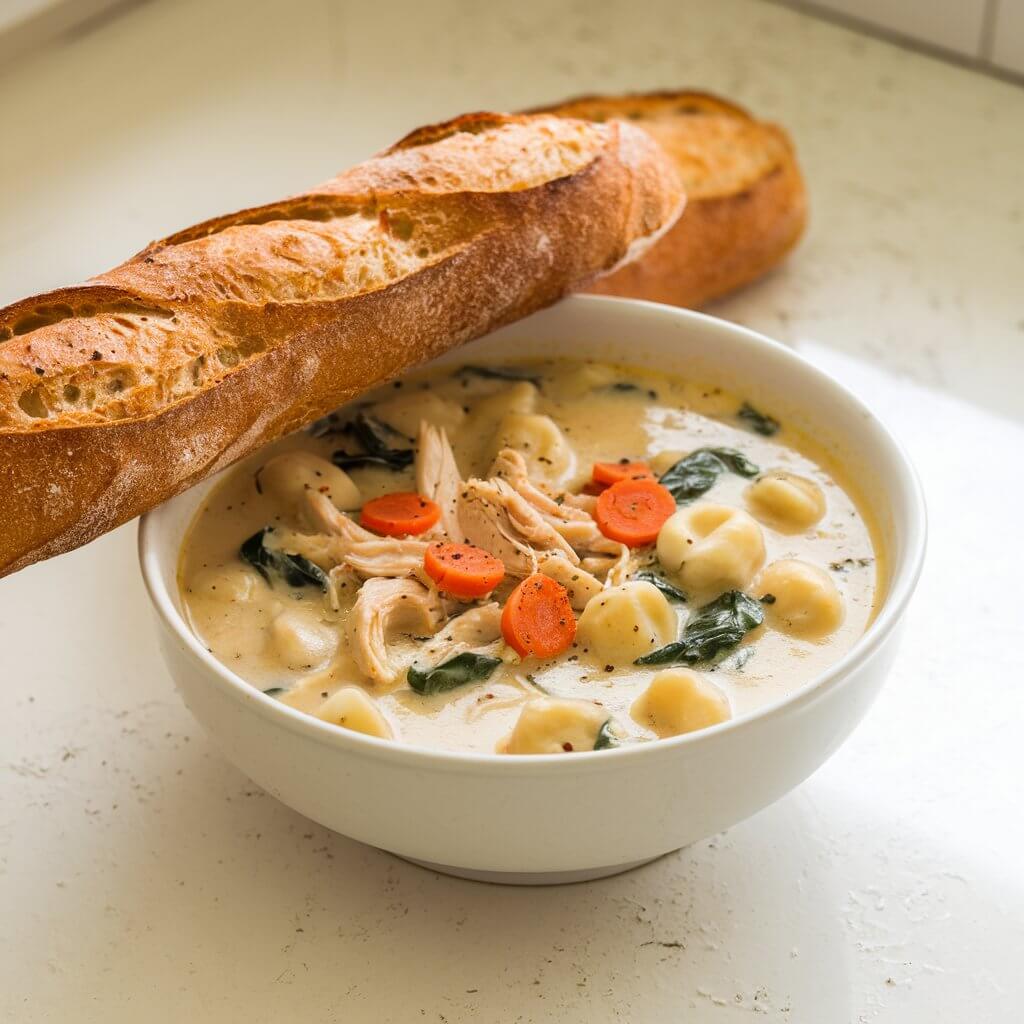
{"points": [[746, 200], [120, 393]]}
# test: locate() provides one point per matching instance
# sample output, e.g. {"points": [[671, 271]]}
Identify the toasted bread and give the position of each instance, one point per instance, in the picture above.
{"points": [[746, 201], [121, 392]]}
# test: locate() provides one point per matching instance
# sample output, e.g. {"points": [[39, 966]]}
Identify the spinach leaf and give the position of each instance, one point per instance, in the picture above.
{"points": [[759, 422], [736, 461], [374, 438], [672, 593], [326, 426], [696, 474], [463, 668], [627, 387], [501, 373], [606, 739], [295, 570], [273, 691], [712, 630]]}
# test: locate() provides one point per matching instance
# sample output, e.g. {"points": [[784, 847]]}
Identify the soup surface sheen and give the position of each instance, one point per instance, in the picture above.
{"points": [[328, 616]]}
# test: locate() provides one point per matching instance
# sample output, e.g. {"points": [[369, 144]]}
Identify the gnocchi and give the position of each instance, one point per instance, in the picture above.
{"points": [[405, 412], [800, 599], [352, 708], [226, 584], [288, 478], [543, 446], [677, 701], [419, 623], [786, 501], [550, 726], [711, 547], [622, 623], [299, 641]]}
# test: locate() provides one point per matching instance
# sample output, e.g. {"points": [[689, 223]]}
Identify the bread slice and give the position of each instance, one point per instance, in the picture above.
{"points": [[119, 393], [746, 201]]}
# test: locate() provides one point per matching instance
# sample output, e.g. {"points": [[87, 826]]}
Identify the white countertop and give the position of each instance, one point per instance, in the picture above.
{"points": [[143, 878]]}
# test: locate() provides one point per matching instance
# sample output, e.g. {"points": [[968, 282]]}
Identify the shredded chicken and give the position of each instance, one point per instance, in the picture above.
{"points": [[495, 517], [362, 551], [580, 584], [438, 477], [575, 524], [585, 502], [510, 466], [477, 630], [479, 625], [341, 581], [614, 563], [385, 607]]}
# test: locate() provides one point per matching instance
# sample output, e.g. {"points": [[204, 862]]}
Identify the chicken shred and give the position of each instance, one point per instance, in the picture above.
{"points": [[385, 607], [477, 630], [438, 477], [495, 517], [362, 551]]}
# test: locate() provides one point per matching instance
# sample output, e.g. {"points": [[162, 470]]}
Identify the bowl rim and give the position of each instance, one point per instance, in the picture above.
{"points": [[903, 580]]}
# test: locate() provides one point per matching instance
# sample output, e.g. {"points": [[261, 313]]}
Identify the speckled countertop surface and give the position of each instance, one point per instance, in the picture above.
{"points": [[143, 878]]}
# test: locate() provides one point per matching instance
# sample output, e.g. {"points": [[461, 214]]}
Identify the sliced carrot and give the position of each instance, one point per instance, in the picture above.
{"points": [[593, 488], [463, 570], [537, 619], [612, 472], [633, 511], [399, 514]]}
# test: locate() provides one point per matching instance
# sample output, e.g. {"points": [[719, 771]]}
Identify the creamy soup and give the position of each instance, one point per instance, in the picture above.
{"points": [[541, 557]]}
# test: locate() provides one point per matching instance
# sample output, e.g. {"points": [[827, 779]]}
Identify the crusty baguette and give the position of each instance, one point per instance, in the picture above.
{"points": [[119, 393], [746, 202]]}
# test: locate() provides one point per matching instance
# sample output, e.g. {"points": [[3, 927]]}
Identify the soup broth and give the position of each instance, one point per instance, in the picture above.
{"points": [[761, 570]]}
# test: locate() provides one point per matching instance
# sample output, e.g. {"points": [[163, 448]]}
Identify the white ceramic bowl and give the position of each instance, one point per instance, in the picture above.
{"points": [[556, 818]]}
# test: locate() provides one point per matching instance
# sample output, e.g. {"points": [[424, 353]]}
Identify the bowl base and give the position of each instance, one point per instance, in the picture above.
{"points": [[531, 877]]}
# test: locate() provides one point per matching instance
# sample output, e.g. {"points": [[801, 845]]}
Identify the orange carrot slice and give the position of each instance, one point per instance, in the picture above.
{"points": [[612, 472], [463, 570], [633, 511], [400, 514], [537, 619]]}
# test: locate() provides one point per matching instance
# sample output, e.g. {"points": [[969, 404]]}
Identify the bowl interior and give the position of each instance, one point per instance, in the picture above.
{"points": [[681, 342]]}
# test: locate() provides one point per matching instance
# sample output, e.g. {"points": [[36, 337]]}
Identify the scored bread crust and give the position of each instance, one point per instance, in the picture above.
{"points": [[121, 392], [746, 199]]}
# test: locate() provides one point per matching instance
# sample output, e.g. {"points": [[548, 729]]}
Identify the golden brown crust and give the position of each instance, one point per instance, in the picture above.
{"points": [[118, 394], [746, 201]]}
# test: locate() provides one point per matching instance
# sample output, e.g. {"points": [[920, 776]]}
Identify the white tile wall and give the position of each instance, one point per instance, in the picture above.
{"points": [[1007, 42], [956, 25]]}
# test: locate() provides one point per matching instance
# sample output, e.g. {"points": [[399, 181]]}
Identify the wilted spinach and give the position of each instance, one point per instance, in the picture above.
{"points": [[463, 668], [606, 739], [374, 437], [696, 474], [627, 387], [672, 593], [759, 422], [295, 570], [711, 631], [501, 373]]}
